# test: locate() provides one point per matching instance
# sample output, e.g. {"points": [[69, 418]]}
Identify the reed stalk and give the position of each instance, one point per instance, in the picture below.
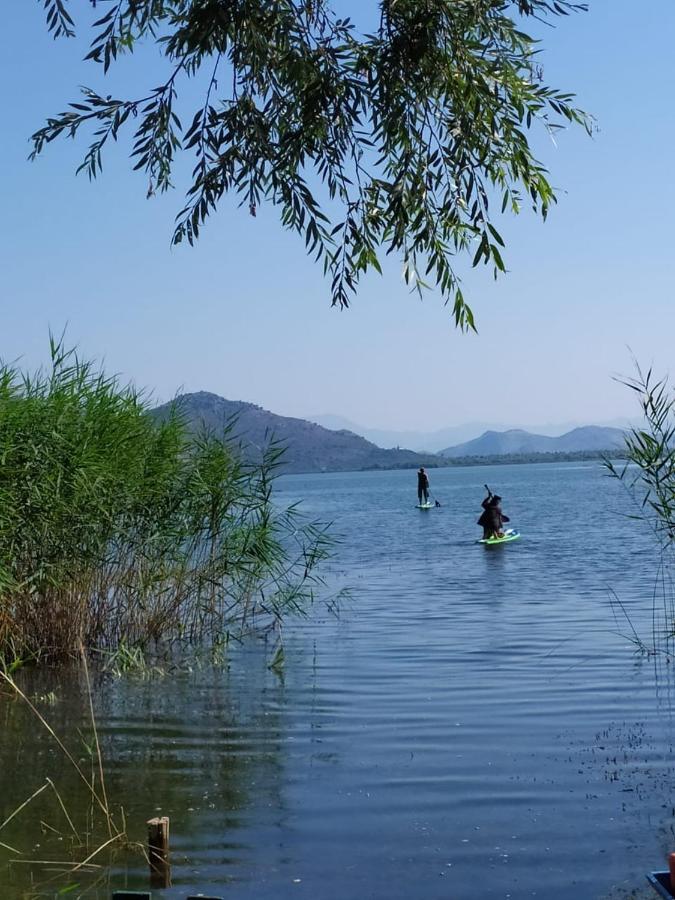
{"points": [[648, 474], [95, 844], [120, 530]]}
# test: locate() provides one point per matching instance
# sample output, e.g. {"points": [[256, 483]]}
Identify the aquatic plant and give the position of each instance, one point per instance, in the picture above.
{"points": [[648, 474], [89, 845], [649, 468], [122, 530]]}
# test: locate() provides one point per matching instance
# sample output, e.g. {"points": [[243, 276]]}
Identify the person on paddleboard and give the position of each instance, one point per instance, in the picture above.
{"points": [[492, 519], [422, 486]]}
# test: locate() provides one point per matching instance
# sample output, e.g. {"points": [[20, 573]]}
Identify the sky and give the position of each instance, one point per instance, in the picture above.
{"points": [[247, 315]]}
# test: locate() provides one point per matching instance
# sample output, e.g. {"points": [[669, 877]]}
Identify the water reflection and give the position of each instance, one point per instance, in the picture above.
{"points": [[183, 746], [471, 726]]}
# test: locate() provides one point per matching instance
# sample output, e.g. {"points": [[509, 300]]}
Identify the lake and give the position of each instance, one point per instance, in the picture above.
{"points": [[475, 723]]}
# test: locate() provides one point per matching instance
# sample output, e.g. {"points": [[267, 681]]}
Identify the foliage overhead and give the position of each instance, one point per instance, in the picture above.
{"points": [[395, 142]]}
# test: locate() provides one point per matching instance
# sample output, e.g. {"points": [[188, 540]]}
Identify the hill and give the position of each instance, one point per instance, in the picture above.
{"points": [[587, 439], [310, 447], [419, 441], [448, 437]]}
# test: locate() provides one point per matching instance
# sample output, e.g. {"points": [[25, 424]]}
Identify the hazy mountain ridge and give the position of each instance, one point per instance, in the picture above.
{"points": [[587, 438], [314, 448], [311, 448], [441, 439], [419, 441]]}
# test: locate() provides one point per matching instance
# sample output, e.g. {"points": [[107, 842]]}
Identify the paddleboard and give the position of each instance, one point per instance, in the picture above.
{"points": [[509, 535], [425, 506]]}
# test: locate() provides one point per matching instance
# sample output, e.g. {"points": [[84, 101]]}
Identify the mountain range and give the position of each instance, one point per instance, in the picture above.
{"points": [[310, 447], [515, 441], [313, 448], [442, 438]]}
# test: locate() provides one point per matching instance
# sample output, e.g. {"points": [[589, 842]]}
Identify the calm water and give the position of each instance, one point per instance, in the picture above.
{"points": [[475, 724]]}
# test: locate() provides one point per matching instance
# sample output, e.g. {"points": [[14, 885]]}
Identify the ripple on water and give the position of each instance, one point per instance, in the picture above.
{"points": [[473, 725]]}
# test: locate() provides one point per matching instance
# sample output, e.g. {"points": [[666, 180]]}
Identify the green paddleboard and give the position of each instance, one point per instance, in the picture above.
{"points": [[425, 506], [509, 535]]}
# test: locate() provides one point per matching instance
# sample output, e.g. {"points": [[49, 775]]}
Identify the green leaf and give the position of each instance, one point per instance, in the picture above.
{"points": [[406, 133]]}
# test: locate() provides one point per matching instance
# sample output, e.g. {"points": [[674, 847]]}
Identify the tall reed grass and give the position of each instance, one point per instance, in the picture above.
{"points": [[648, 474], [121, 530]]}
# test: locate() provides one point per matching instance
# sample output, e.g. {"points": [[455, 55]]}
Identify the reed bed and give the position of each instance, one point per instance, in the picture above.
{"points": [[120, 531]]}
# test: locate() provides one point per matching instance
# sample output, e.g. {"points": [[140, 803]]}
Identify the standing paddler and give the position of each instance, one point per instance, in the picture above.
{"points": [[422, 487]]}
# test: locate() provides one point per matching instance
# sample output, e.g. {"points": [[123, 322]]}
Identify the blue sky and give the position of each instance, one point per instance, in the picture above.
{"points": [[245, 314]]}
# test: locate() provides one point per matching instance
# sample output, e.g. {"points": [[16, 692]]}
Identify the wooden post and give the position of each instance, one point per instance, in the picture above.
{"points": [[158, 852]]}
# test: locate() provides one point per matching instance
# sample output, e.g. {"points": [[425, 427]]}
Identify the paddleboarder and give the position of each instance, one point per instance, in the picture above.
{"points": [[492, 518], [422, 486]]}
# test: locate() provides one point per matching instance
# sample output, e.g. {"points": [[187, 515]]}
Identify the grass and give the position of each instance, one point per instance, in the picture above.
{"points": [[648, 474], [130, 535]]}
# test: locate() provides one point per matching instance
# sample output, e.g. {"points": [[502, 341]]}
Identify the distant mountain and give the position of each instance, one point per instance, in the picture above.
{"points": [[588, 438], [437, 441], [420, 441], [311, 448]]}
